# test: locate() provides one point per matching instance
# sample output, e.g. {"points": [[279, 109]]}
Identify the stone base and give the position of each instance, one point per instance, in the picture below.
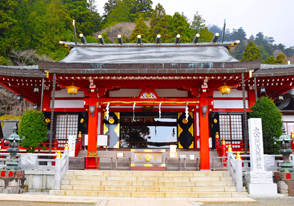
{"points": [[263, 190], [11, 190], [260, 184], [12, 181]]}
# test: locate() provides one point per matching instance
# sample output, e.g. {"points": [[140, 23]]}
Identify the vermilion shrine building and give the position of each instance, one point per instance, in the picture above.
{"points": [[148, 95]]}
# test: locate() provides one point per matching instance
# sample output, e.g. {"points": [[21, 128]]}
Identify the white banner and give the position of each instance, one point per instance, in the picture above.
{"points": [[72, 145]]}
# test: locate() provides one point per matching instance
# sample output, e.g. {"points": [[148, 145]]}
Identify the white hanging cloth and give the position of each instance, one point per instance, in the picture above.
{"points": [[134, 105], [107, 111], [187, 111], [159, 110]]}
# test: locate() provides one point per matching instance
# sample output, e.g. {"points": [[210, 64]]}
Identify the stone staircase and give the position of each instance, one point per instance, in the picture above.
{"points": [[149, 184]]}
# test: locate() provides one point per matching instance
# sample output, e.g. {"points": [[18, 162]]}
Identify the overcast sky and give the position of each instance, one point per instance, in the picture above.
{"points": [[274, 18]]}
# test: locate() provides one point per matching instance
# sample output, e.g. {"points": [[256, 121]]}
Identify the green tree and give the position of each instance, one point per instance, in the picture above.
{"points": [[105, 38], [197, 24], [179, 25], [8, 28], [34, 128], [140, 29], [270, 60], [205, 35], [251, 53], [239, 50], [159, 24], [263, 52], [140, 7], [108, 7], [119, 14], [272, 123], [4, 61], [281, 59]]}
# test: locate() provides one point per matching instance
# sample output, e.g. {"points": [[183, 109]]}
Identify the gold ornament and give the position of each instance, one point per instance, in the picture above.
{"points": [[58, 155], [238, 156], [47, 120], [147, 158], [111, 121], [66, 147], [230, 148], [82, 121], [225, 89], [72, 89], [185, 121], [215, 121]]}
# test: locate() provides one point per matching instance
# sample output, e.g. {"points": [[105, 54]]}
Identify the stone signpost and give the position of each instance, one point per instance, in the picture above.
{"points": [[259, 182]]}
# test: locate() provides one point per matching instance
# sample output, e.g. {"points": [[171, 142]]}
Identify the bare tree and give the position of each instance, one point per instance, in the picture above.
{"points": [[27, 57], [9, 105]]}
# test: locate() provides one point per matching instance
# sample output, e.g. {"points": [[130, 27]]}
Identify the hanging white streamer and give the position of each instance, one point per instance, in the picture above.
{"points": [[187, 112], [134, 111], [107, 111], [159, 110]]}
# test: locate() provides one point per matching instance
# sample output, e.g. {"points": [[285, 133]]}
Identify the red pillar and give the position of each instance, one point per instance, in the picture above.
{"points": [[92, 127], [204, 135], [251, 98], [92, 160]]}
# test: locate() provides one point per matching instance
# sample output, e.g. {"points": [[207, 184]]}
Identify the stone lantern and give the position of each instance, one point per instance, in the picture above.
{"points": [[285, 143], [13, 140]]}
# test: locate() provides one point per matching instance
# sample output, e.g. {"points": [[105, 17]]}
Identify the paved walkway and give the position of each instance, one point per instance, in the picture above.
{"points": [[116, 201]]}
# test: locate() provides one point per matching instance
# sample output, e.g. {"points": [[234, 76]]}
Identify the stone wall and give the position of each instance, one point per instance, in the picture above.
{"points": [[39, 180]]}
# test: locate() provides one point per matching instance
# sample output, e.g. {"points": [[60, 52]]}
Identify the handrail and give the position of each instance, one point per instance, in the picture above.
{"points": [[235, 169], [61, 167]]}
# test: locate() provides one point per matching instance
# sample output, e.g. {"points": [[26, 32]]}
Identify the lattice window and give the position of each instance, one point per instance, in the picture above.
{"points": [[231, 128], [66, 124]]}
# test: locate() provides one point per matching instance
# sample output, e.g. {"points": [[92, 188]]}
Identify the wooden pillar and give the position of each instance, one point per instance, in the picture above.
{"points": [[251, 98], [92, 127], [204, 134]]}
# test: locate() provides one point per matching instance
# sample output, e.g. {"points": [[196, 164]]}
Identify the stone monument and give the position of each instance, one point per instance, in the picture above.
{"points": [[258, 181], [12, 177]]}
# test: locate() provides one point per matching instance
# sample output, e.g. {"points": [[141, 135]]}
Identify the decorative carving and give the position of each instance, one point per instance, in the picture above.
{"points": [[148, 95], [92, 154], [258, 177]]}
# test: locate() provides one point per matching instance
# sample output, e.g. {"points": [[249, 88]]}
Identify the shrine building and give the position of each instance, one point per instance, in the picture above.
{"points": [[148, 95]]}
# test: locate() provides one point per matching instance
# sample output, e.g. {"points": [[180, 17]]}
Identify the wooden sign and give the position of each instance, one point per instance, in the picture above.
{"points": [[102, 140]]}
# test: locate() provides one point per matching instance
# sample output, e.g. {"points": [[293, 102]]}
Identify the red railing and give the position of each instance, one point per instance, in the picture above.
{"points": [[45, 146]]}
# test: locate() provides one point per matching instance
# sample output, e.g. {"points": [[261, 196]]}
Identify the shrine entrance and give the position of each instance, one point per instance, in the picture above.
{"points": [[149, 129]]}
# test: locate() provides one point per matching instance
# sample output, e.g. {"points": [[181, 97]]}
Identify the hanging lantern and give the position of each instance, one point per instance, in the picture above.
{"points": [[19, 97], [36, 106], [262, 89], [36, 89], [72, 89], [225, 89], [280, 97]]}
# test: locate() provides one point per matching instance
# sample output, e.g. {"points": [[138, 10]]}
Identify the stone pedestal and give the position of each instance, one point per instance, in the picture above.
{"points": [[260, 184], [12, 181], [285, 182]]}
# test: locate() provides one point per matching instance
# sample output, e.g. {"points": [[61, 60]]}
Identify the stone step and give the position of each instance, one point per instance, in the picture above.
{"points": [[150, 194], [134, 178], [149, 183], [149, 189], [148, 173]]}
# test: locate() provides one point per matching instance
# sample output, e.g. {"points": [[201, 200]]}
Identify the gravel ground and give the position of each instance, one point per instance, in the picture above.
{"points": [[285, 201]]}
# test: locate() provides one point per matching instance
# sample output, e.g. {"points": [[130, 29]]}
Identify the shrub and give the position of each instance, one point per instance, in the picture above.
{"points": [[272, 123], [34, 128]]}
